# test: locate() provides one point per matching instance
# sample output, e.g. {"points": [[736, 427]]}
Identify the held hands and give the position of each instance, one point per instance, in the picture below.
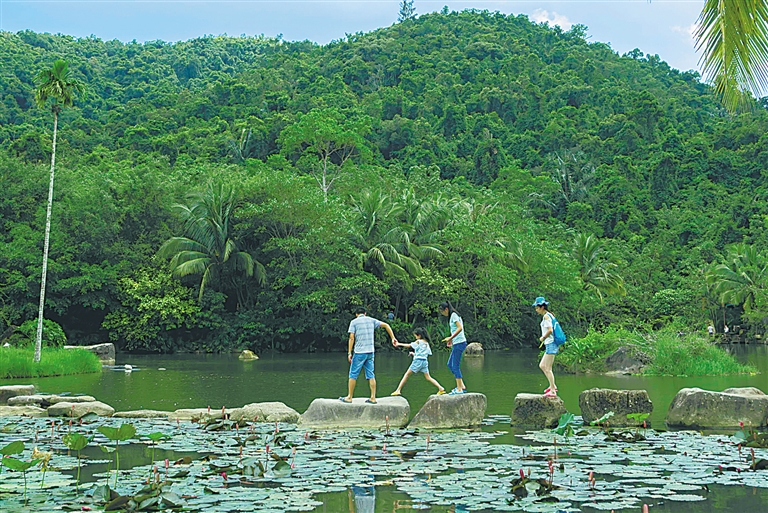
{"points": [[411, 353], [448, 341], [395, 343]]}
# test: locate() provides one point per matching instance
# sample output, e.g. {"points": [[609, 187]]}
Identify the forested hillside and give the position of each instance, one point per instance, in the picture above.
{"points": [[473, 157]]}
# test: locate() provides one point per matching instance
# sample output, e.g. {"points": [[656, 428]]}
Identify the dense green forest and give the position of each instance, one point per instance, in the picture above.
{"points": [[224, 192]]}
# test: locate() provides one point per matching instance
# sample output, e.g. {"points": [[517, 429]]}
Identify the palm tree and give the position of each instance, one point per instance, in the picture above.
{"points": [[733, 36], [740, 279], [596, 272], [58, 85], [208, 250], [382, 247]]}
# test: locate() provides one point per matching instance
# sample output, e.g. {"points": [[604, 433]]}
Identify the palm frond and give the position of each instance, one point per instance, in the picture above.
{"points": [[733, 38]]}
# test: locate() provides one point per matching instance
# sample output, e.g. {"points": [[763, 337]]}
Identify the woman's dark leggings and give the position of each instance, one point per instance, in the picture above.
{"points": [[454, 362]]}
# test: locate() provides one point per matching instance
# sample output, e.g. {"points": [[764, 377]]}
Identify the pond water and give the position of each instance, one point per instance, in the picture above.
{"points": [[188, 381], [198, 381]]}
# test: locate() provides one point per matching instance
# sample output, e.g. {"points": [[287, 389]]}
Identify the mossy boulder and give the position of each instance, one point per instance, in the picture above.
{"points": [[694, 408], [335, 414], [451, 411], [8, 391], [537, 411], [597, 402]]}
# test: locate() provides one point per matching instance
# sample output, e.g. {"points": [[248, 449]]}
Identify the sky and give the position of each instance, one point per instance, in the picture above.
{"points": [[654, 26]]}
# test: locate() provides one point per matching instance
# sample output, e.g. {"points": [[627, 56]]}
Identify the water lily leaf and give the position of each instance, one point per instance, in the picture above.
{"points": [[18, 465], [117, 504], [172, 500], [16, 447], [75, 441]]}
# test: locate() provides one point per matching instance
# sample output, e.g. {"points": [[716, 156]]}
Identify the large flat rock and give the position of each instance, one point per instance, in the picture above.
{"points": [[24, 411], [451, 411], [537, 411], [76, 410], [142, 414], [332, 413], [105, 352], [8, 391], [596, 402], [265, 412], [198, 413], [701, 409], [45, 401]]}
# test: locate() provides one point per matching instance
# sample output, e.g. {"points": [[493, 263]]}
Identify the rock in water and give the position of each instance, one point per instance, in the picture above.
{"points": [[142, 414], [451, 411], [8, 391], [266, 412], [597, 402], [474, 349], [701, 409], [76, 410], [105, 352], [537, 411], [625, 361], [24, 411], [333, 413], [247, 356], [44, 401]]}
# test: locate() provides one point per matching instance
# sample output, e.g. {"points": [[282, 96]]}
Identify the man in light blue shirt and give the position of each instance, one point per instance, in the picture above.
{"points": [[360, 354]]}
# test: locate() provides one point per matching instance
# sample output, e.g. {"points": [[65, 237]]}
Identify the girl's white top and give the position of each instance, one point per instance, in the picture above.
{"points": [[421, 349], [461, 337], [546, 325]]}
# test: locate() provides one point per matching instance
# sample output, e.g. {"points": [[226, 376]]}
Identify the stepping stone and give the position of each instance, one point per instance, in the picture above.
{"points": [[694, 408], [77, 410], [537, 411], [8, 391], [45, 401], [197, 413], [142, 414], [265, 412], [23, 411], [335, 414], [597, 402], [451, 411]]}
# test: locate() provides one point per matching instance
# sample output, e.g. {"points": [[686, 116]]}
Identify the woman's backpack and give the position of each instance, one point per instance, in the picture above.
{"points": [[557, 331]]}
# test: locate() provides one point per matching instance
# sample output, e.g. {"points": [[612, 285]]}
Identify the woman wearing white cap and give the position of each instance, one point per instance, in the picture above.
{"points": [[550, 347]]}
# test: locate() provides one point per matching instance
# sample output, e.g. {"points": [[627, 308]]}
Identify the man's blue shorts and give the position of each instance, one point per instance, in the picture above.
{"points": [[419, 365], [361, 361], [551, 348]]}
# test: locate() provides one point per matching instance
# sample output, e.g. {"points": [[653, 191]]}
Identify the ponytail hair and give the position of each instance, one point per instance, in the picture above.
{"points": [[422, 333], [447, 305]]}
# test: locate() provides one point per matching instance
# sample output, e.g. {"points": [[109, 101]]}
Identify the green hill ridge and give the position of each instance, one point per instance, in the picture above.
{"points": [[468, 156]]}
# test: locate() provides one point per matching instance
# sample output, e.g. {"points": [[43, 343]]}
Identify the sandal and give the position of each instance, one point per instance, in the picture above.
{"points": [[548, 389], [371, 402], [395, 393], [344, 400], [441, 391], [550, 393], [456, 391]]}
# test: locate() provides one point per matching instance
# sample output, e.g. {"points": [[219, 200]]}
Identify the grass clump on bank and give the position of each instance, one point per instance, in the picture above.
{"points": [[17, 362], [665, 353], [691, 356]]}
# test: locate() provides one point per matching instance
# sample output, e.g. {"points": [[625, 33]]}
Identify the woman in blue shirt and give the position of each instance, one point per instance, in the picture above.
{"points": [[457, 341]]}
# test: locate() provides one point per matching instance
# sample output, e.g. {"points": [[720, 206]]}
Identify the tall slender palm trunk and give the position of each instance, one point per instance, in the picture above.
{"points": [[39, 337]]}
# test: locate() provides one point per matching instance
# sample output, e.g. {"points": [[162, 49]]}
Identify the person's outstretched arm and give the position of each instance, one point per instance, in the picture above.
{"points": [[389, 332]]}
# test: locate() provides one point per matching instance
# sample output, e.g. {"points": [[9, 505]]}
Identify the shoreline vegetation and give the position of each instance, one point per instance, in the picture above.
{"points": [[664, 353], [17, 362]]}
